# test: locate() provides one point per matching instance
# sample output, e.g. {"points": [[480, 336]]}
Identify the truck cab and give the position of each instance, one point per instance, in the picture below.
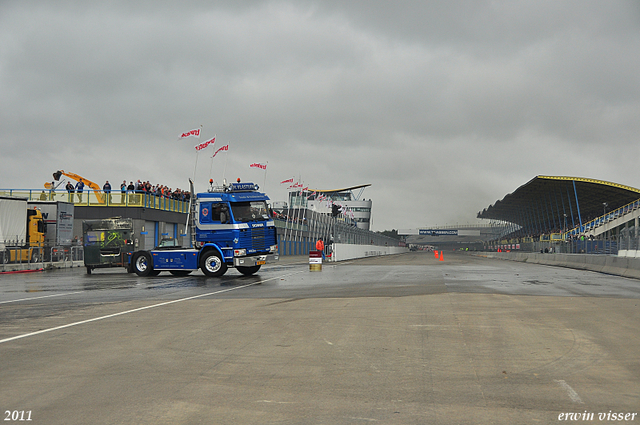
{"points": [[30, 249], [231, 226]]}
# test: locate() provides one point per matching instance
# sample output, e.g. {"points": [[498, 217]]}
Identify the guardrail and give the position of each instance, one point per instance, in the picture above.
{"points": [[15, 259], [19, 258], [606, 246], [605, 218], [88, 198], [300, 228]]}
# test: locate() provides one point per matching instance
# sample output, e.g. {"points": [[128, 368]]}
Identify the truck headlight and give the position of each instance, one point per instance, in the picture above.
{"points": [[273, 248], [239, 252]]}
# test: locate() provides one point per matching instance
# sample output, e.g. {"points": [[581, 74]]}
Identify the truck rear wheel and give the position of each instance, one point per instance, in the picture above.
{"points": [[142, 264], [212, 264], [248, 271]]}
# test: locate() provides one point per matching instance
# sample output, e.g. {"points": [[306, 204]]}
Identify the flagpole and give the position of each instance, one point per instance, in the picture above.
{"points": [[196, 165], [286, 222], [298, 215], [264, 185], [226, 158], [289, 212], [211, 166]]}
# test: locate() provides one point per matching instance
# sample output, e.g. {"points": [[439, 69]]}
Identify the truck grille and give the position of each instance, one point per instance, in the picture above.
{"points": [[259, 238]]}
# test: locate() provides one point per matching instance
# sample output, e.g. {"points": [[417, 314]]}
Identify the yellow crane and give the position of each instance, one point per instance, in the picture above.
{"points": [[96, 189]]}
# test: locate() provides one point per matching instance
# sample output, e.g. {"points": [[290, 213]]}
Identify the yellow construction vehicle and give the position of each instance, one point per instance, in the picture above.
{"points": [[22, 232], [96, 189]]}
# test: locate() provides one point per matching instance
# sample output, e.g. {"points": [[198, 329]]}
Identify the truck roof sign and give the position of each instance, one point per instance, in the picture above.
{"points": [[238, 187]]}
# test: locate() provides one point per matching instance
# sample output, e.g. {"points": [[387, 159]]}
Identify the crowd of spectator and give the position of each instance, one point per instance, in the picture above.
{"points": [[146, 187], [126, 190]]}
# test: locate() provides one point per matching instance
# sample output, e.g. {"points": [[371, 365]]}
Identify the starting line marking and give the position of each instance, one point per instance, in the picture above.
{"points": [[95, 319]]}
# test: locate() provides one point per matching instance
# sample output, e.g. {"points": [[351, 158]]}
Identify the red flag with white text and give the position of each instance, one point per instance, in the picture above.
{"points": [[258, 165]]}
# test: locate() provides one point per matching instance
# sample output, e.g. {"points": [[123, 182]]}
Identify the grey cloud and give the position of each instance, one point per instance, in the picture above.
{"points": [[443, 106]]}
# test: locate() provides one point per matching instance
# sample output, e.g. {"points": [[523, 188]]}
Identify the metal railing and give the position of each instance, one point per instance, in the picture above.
{"points": [[605, 218], [21, 256], [17, 258], [88, 198], [581, 245], [300, 228]]}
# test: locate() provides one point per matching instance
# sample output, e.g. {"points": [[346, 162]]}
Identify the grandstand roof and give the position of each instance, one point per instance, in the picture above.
{"points": [[541, 203], [341, 190]]}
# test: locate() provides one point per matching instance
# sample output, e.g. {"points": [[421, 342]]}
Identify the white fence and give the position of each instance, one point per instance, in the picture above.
{"points": [[343, 251]]}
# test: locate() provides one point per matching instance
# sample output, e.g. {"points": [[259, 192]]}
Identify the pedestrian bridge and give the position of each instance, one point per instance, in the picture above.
{"points": [[88, 198]]}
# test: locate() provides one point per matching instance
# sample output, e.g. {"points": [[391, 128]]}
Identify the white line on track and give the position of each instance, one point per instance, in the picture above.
{"points": [[95, 319], [573, 395], [37, 298]]}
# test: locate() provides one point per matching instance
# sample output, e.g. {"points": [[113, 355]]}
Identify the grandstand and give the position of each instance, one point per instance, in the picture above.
{"points": [[549, 208]]}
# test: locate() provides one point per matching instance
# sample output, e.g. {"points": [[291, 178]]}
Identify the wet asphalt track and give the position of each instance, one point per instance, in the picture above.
{"points": [[398, 339]]}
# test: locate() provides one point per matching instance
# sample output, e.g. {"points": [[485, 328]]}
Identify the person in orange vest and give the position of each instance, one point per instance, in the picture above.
{"points": [[320, 247]]}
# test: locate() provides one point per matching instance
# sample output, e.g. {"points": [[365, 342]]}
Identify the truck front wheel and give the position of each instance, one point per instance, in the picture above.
{"points": [[142, 264], [212, 264]]}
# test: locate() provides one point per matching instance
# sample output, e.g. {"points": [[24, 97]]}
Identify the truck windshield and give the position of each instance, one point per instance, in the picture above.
{"points": [[250, 211]]}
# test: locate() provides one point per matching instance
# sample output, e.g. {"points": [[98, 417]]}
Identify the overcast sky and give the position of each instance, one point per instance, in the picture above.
{"points": [[443, 107]]}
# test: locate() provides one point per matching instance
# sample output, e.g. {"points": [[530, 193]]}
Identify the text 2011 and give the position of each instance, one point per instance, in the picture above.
{"points": [[17, 415]]}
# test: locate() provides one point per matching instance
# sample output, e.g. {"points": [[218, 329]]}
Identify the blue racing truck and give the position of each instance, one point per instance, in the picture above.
{"points": [[230, 226]]}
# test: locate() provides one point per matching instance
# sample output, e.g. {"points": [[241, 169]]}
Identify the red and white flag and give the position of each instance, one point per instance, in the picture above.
{"points": [[258, 165], [221, 148], [193, 133], [205, 144], [287, 181]]}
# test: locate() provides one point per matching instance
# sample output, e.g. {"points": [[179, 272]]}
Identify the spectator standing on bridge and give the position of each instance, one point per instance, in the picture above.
{"points": [[107, 191], [69, 188], [123, 191], [52, 190], [79, 189], [320, 247]]}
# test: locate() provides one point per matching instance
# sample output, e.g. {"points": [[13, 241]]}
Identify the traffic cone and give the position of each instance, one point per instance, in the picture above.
{"points": [[436, 252], [441, 259]]}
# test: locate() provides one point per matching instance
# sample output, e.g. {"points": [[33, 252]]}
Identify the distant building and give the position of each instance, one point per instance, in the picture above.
{"points": [[348, 205]]}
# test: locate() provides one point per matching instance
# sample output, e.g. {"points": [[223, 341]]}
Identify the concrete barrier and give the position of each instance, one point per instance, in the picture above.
{"points": [[343, 251], [633, 253], [609, 264]]}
